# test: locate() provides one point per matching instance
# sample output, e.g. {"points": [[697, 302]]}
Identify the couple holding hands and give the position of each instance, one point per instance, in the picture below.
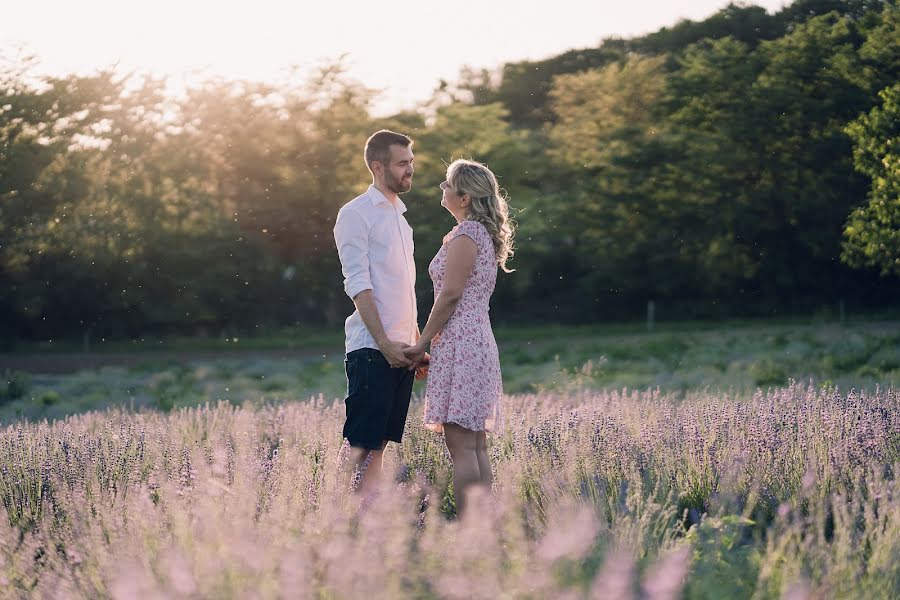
{"points": [[386, 350]]}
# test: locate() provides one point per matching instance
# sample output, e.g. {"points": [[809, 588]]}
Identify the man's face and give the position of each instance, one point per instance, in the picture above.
{"points": [[398, 173]]}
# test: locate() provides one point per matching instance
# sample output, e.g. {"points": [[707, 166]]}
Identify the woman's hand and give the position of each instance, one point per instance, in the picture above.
{"points": [[422, 368]]}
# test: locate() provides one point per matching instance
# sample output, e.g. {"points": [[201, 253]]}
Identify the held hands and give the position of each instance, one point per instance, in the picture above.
{"points": [[415, 354], [394, 353], [419, 359]]}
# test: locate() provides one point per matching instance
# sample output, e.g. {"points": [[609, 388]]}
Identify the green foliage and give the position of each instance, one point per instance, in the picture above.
{"points": [[725, 166], [739, 358], [15, 385], [766, 373], [616, 104], [708, 166], [172, 387], [48, 398], [872, 233], [724, 559]]}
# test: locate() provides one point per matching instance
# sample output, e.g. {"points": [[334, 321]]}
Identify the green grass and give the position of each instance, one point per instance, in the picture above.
{"points": [[298, 338], [738, 356]]}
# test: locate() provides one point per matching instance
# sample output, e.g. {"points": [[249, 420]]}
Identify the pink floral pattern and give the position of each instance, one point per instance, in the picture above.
{"points": [[464, 384]]}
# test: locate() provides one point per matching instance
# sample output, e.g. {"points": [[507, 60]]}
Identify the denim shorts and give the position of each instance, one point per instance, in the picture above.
{"points": [[377, 399]]}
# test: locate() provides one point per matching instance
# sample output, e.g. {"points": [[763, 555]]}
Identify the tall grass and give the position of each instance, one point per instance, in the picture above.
{"points": [[597, 494]]}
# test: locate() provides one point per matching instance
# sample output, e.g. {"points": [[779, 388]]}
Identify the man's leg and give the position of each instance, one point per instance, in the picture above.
{"points": [[368, 403], [364, 468], [377, 405], [402, 384]]}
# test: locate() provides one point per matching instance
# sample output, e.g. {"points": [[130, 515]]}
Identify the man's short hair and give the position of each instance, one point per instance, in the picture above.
{"points": [[378, 146]]}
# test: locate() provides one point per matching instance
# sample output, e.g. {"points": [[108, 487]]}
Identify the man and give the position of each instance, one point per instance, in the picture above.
{"points": [[375, 245]]}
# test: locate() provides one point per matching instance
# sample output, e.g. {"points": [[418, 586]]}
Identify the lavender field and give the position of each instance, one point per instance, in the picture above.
{"points": [[790, 493]]}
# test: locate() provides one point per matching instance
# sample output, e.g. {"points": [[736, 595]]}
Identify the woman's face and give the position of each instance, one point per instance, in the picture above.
{"points": [[454, 202]]}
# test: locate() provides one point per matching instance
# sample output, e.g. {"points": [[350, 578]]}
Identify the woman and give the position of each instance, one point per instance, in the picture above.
{"points": [[462, 397]]}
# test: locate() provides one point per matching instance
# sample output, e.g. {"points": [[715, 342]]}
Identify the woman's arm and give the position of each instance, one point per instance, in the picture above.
{"points": [[461, 254]]}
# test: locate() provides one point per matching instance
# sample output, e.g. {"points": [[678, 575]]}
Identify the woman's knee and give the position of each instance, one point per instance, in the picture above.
{"points": [[459, 439]]}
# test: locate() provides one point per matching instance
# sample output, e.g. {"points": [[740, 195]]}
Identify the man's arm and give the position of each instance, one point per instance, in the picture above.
{"points": [[393, 351], [352, 240]]}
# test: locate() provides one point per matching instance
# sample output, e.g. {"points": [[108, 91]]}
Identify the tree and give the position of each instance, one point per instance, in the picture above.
{"points": [[608, 136], [48, 139], [765, 141], [872, 232]]}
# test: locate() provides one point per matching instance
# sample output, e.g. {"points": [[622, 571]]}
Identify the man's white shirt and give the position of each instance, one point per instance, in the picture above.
{"points": [[375, 245]]}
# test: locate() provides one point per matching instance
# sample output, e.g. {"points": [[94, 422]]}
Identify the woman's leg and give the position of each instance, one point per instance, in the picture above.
{"points": [[484, 463], [462, 444]]}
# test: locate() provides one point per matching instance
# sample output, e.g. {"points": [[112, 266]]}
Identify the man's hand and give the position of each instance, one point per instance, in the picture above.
{"points": [[393, 352]]}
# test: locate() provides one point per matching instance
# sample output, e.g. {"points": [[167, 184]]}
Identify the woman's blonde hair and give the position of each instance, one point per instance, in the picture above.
{"points": [[489, 205]]}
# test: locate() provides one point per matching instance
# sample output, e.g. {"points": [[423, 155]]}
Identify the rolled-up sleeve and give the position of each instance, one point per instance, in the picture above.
{"points": [[352, 239]]}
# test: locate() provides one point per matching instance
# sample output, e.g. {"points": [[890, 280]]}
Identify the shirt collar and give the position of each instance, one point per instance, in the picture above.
{"points": [[379, 198]]}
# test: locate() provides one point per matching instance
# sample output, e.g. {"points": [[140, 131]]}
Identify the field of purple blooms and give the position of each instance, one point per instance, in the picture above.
{"points": [[790, 493]]}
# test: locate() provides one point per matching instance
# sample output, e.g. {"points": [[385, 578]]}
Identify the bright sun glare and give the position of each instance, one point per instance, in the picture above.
{"points": [[403, 50]]}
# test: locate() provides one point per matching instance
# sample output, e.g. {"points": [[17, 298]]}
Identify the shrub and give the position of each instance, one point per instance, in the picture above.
{"points": [[48, 398], [766, 372], [14, 386]]}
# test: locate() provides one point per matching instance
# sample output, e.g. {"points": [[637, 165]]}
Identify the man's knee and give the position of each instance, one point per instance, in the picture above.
{"points": [[357, 454]]}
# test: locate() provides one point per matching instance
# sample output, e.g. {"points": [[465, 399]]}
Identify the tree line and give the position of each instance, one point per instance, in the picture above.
{"points": [[745, 164]]}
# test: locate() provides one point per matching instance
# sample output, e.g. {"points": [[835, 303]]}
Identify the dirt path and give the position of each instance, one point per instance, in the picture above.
{"points": [[70, 362]]}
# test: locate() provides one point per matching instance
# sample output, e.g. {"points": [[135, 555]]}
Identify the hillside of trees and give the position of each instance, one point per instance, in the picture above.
{"points": [[747, 164]]}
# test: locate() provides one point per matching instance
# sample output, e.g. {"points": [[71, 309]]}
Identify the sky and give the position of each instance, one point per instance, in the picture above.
{"points": [[401, 49]]}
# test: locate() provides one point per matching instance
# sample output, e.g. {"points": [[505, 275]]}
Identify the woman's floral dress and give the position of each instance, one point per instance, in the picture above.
{"points": [[464, 384]]}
